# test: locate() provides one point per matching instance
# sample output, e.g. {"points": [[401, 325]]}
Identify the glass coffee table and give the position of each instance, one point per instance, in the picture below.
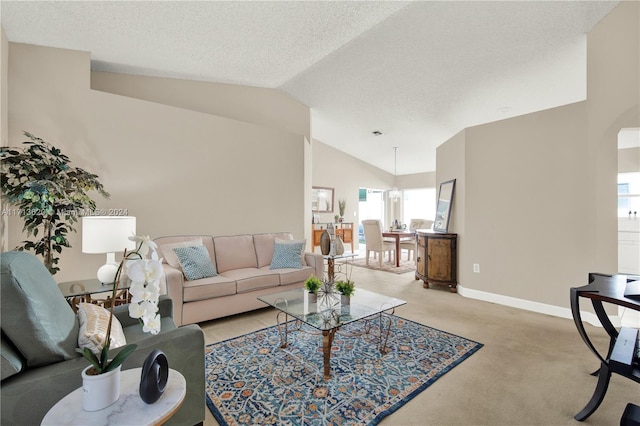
{"points": [[327, 315]]}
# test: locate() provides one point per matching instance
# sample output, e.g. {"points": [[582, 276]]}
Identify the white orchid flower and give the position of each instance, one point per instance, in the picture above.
{"points": [[146, 243], [144, 270], [152, 325], [145, 275], [135, 310]]}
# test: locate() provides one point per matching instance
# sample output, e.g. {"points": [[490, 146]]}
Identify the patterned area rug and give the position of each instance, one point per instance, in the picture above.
{"points": [[250, 380], [405, 265]]}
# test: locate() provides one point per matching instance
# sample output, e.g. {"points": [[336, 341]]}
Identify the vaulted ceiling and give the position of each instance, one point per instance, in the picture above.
{"points": [[417, 71]]}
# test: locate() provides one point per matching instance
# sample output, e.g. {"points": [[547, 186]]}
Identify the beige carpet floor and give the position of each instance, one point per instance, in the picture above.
{"points": [[533, 370], [404, 267]]}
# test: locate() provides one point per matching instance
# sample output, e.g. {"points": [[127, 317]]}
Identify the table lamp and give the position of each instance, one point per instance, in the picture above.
{"points": [[108, 234]]}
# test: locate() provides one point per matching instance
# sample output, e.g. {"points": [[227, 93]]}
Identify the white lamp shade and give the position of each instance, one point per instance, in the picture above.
{"points": [[108, 234]]}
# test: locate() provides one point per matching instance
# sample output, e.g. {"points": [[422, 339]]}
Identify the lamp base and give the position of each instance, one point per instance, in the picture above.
{"points": [[107, 273]]}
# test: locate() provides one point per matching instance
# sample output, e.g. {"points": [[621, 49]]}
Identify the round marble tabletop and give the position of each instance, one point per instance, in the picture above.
{"points": [[129, 409]]}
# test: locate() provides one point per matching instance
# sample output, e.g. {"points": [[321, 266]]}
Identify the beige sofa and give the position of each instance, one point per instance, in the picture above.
{"points": [[242, 264]]}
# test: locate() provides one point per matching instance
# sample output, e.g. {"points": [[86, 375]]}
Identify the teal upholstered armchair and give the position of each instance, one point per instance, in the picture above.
{"points": [[39, 336]]}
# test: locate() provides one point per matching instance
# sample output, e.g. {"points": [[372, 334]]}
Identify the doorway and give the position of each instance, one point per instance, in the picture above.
{"points": [[370, 206]]}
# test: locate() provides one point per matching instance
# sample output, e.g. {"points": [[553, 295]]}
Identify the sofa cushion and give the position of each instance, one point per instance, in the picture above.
{"points": [[287, 254], [235, 252], [195, 262], [291, 276], [35, 316], [208, 288], [94, 320], [249, 279], [166, 250], [264, 244], [12, 362]]}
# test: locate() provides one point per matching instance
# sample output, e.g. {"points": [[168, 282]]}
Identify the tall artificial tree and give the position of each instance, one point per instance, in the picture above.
{"points": [[48, 194]]}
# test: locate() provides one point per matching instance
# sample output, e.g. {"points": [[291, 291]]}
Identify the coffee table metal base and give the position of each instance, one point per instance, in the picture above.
{"points": [[328, 335]]}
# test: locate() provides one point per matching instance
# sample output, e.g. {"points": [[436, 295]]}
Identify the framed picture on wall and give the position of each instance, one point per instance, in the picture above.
{"points": [[443, 208], [322, 199]]}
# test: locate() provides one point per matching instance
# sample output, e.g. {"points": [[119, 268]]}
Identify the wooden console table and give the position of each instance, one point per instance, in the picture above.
{"points": [[437, 259], [621, 356], [344, 230]]}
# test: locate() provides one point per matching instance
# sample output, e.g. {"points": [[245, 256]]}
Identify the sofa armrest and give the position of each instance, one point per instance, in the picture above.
{"points": [[175, 290], [316, 261], [184, 348], [165, 309]]}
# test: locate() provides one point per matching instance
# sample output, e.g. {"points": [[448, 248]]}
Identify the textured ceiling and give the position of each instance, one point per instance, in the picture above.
{"points": [[419, 72]]}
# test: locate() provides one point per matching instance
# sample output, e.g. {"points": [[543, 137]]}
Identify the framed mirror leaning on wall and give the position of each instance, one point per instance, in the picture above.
{"points": [[322, 199], [443, 208]]}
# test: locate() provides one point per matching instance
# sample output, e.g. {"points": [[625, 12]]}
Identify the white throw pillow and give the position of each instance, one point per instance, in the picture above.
{"points": [[170, 256], [94, 320]]}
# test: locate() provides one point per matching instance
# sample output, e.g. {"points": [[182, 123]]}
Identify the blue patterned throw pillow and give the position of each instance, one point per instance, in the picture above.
{"points": [[195, 262], [287, 254]]}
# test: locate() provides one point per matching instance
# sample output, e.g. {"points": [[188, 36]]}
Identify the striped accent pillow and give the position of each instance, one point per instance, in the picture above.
{"points": [[94, 320]]}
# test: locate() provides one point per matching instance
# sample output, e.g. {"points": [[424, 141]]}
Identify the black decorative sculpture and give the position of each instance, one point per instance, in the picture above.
{"points": [[155, 373]]}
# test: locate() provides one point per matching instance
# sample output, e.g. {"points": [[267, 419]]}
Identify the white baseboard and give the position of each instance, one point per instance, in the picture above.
{"points": [[528, 305]]}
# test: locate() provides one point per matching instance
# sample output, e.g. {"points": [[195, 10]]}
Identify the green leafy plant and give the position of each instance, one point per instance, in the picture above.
{"points": [[346, 288], [312, 284], [49, 194]]}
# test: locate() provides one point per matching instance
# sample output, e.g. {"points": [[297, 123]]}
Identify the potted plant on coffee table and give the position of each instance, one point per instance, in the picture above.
{"points": [[313, 284], [346, 290]]}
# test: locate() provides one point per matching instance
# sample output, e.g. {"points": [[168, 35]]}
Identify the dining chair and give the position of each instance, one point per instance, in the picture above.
{"points": [[409, 244], [374, 241]]}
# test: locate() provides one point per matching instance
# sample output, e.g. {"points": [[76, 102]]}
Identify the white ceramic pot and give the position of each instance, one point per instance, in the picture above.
{"points": [[100, 391], [344, 300], [312, 297]]}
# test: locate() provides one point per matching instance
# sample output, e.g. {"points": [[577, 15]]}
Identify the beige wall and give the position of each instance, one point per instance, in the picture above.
{"points": [[4, 118], [346, 174], [540, 194], [175, 169], [628, 160], [266, 107]]}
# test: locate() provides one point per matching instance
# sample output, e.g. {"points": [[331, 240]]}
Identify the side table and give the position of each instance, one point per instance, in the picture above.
{"points": [[609, 289], [80, 291], [129, 409], [334, 267]]}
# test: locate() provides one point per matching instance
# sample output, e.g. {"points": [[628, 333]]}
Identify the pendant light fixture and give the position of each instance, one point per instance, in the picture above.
{"points": [[395, 193]]}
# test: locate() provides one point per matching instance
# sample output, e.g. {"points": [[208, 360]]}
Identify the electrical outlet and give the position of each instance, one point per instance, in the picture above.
{"points": [[476, 268]]}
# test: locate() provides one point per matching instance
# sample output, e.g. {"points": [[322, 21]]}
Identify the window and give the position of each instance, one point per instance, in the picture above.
{"points": [[628, 194], [419, 204]]}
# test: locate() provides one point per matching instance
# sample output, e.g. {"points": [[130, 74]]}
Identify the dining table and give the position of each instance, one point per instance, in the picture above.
{"points": [[397, 235]]}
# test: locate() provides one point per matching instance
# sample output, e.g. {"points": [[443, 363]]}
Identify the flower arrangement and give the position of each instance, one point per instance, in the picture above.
{"points": [[313, 284], [145, 275], [346, 288]]}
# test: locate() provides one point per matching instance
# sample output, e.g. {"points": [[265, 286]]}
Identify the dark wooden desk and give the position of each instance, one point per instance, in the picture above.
{"points": [[397, 235], [609, 289]]}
